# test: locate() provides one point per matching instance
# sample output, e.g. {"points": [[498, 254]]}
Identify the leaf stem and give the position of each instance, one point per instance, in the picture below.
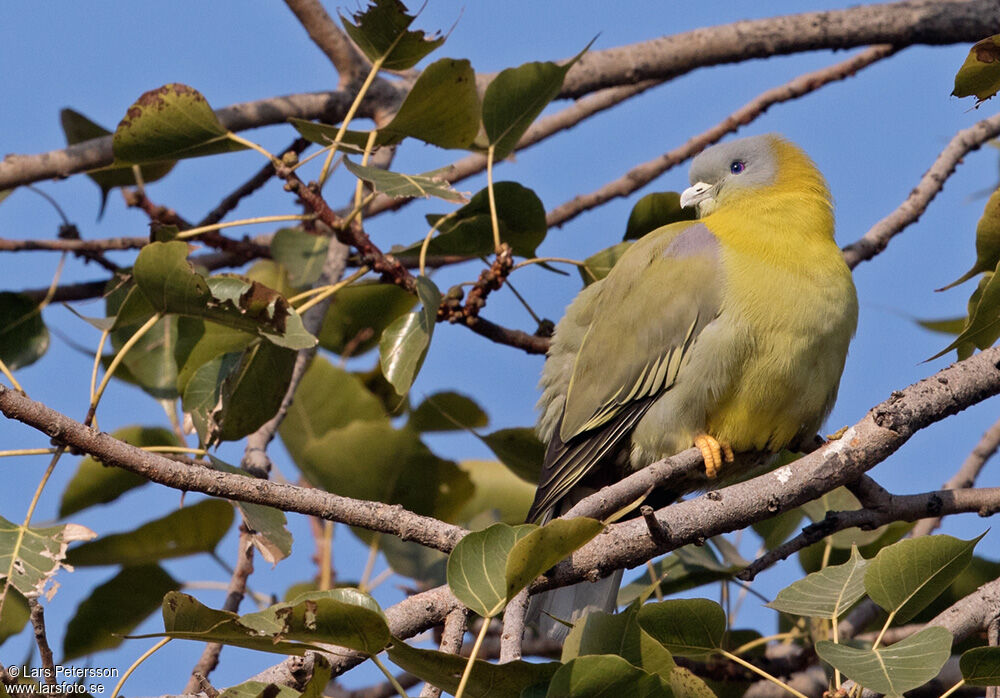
{"points": [[472, 658], [135, 665], [323, 293], [10, 376], [888, 622], [27, 452], [115, 362], [953, 689], [763, 674], [246, 221], [493, 201], [376, 66], [253, 146], [388, 674]]}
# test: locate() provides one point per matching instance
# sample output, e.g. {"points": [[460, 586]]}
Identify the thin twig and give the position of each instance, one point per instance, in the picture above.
{"points": [[234, 596], [961, 144], [966, 474], [249, 187], [641, 175], [512, 633], [37, 616], [451, 643], [331, 41]]}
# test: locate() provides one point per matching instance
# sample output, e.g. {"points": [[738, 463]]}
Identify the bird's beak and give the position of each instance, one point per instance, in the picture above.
{"points": [[696, 195]]}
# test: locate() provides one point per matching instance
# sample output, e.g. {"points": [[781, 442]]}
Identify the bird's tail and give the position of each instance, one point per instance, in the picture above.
{"points": [[571, 603]]}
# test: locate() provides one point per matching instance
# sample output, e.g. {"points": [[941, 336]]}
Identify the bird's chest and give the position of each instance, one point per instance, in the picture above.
{"points": [[794, 324]]}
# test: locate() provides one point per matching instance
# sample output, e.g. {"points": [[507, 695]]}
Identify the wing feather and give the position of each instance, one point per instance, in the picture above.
{"points": [[671, 280]]}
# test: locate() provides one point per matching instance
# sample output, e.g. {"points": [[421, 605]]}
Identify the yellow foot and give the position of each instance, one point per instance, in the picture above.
{"points": [[714, 453]]}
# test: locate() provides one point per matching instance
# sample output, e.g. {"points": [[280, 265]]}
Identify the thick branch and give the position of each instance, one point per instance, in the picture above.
{"points": [[375, 516], [331, 41], [16, 170], [963, 142], [900, 24]]}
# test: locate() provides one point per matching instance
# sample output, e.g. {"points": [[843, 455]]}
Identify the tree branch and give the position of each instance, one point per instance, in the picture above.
{"points": [[961, 144], [234, 596], [331, 41], [901, 24], [375, 516], [643, 174], [966, 475]]}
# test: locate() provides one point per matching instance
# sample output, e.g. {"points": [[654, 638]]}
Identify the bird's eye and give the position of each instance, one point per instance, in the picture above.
{"points": [[737, 166]]}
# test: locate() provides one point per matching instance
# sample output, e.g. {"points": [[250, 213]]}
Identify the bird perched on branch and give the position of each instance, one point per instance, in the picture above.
{"points": [[728, 333]]}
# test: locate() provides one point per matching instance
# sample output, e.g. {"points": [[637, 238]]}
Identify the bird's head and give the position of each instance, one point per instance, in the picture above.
{"points": [[727, 172]]}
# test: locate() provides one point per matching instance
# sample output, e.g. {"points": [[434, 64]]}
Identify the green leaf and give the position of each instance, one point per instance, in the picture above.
{"points": [[23, 335], [186, 618], [908, 575], [314, 687], [516, 96], [169, 123], [381, 31], [987, 233], [498, 491], [686, 568], [892, 670], [477, 567], [115, 608], [171, 285], [618, 634], [598, 265], [981, 666], [404, 343], [398, 185], [301, 253], [14, 614], [655, 211], [688, 627], [373, 461], [267, 525], [487, 680], [200, 341], [980, 74], [350, 141], [543, 547], [951, 325], [828, 593], [194, 529], [30, 557], [519, 449], [841, 499], [447, 411], [468, 232], [328, 398], [983, 327], [777, 529], [233, 395], [442, 107], [259, 689], [78, 128], [96, 483], [359, 315], [344, 617], [605, 676]]}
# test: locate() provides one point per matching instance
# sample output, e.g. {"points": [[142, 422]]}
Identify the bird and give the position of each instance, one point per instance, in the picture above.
{"points": [[729, 332]]}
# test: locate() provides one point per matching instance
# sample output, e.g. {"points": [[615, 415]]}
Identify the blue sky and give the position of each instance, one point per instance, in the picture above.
{"points": [[872, 135]]}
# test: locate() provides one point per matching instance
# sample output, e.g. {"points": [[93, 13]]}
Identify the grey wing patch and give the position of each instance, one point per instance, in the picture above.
{"points": [[695, 240], [653, 379], [566, 464]]}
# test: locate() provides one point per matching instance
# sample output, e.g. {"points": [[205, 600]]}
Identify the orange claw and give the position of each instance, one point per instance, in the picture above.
{"points": [[714, 453]]}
